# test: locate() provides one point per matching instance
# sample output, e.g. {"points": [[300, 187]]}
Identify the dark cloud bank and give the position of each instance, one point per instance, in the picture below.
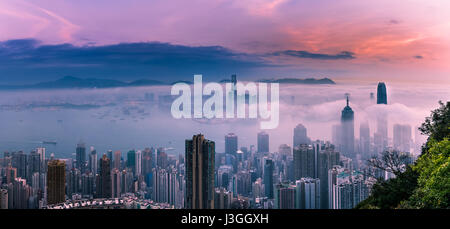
{"points": [[29, 61], [320, 56]]}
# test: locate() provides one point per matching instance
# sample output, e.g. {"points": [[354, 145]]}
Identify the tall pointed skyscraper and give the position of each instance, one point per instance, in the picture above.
{"points": [[381, 93], [200, 155], [381, 135], [347, 127]]}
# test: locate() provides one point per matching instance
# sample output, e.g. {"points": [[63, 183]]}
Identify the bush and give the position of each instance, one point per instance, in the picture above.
{"points": [[434, 177], [426, 184], [390, 193]]}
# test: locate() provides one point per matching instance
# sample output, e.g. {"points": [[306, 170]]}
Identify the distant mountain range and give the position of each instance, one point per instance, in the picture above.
{"points": [[74, 82], [300, 81]]}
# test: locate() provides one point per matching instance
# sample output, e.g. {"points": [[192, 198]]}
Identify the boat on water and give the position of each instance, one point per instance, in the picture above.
{"points": [[49, 142]]}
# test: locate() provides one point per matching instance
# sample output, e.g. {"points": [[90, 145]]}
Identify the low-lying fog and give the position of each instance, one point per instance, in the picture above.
{"points": [[135, 118]]}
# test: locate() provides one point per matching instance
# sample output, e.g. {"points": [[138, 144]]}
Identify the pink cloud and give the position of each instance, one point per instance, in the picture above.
{"points": [[26, 20]]}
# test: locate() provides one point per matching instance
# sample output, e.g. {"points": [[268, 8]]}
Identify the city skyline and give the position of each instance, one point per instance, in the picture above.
{"points": [[224, 104], [337, 165]]}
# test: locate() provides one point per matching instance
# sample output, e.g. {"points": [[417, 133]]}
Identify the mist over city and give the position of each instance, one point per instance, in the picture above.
{"points": [[139, 117]]}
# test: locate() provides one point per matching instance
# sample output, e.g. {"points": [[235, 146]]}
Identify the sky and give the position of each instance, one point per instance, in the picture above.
{"points": [[348, 40]]}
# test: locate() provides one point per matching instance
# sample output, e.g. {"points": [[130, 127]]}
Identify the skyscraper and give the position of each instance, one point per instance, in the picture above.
{"points": [[167, 186], [327, 158], [88, 184], [268, 178], [20, 194], [300, 136], [131, 160], [224, 173], [104, 189], [307, 193], [285, 151], [93, 163], [222, 199], [336, 135], [402, 137], [242, 183], [125, 180], [3, 199], [34, 164], [20, 161], [56, 181], [73, 181], [346, 188], [161, 158], [263, 142], [160, 185], [147, 161], [231, 143], [11, 174], [138, 163], [116, 183], [41, 152], [347, 131], [110, 155], [199, 159], [381, 93], [332, 181], [117, 159], [382, 120], [304, 161], [364, 139], [81, 157], [285, 196]]}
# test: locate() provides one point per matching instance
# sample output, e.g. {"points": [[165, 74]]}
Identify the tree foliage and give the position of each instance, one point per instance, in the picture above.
{"points": [[426, 184], [437, 125], [434, 177], [390, 193], [391, 161]]}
